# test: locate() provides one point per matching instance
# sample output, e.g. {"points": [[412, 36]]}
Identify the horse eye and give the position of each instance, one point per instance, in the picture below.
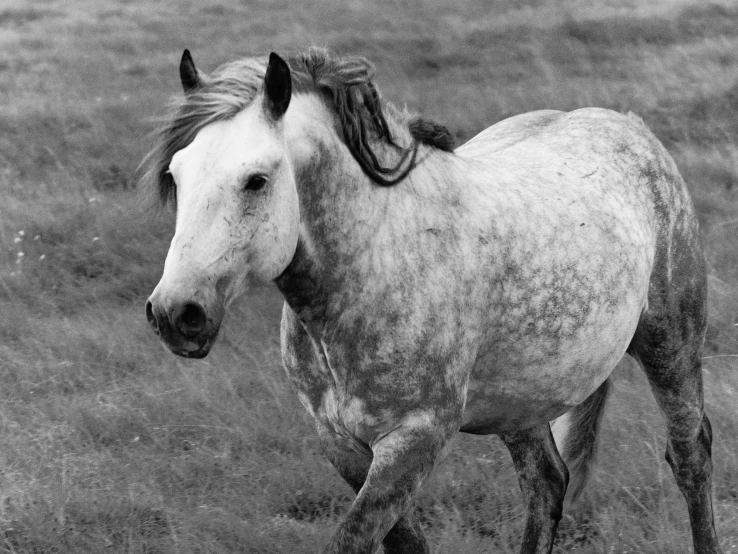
{"points": [[255, 182]]}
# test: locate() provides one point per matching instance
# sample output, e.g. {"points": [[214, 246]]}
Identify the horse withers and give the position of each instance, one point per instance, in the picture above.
{"points": [[489, 289]]}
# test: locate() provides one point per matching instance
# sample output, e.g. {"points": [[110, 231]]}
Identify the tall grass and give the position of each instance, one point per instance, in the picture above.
{"points": [[109, 443]]}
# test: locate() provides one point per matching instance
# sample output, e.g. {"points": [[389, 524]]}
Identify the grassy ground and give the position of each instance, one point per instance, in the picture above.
{"points": [[108, 443]]}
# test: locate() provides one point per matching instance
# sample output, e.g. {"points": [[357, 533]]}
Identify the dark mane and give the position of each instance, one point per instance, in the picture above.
{"points": [[432, 133], [346, 85]]}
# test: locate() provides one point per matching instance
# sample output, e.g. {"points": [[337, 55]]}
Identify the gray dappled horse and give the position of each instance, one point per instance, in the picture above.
{"points": [[488, 289]]}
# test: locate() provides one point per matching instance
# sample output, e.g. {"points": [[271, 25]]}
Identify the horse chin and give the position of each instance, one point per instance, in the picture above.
{"points": [[196, 354], [196, 348]]}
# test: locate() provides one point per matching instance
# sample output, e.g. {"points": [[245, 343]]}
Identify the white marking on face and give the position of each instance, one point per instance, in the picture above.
{"points": [[228, 236]]}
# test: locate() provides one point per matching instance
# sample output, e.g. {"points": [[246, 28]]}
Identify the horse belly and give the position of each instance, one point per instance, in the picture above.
{"points": [[515, 386], [557, 337]]}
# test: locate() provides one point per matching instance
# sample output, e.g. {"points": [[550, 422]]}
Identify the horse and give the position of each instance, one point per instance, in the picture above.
{"points": [[429, 290]]}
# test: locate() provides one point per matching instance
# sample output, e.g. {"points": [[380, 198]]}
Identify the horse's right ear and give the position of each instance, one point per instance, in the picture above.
{"points": [[188, 73]]}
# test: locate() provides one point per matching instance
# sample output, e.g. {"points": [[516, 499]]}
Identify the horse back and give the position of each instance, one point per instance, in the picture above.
{"points": [[557, 152]]}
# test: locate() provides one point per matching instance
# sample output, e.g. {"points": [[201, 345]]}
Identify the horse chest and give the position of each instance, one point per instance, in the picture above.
{"points": [[326, 391], [362, 386]]}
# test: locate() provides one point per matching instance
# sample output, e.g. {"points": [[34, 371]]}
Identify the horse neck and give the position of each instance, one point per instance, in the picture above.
{"points": [[330, 182], [343, 213]]}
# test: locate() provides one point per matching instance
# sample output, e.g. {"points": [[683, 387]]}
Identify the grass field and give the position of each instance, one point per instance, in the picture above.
{"points": [[110, 444]]}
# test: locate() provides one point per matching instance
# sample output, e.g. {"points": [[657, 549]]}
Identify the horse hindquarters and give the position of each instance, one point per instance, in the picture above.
{"points": [[675, 377], [668, 346]]}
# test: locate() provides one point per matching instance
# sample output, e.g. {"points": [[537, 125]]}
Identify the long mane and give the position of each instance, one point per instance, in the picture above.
{"points": [[345, 83]]}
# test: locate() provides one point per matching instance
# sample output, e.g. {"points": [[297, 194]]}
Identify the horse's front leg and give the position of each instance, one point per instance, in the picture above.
{"points": [[401, 461], [543, 477], [353, 463]]}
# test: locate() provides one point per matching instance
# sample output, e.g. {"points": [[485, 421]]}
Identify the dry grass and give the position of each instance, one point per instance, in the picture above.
{"points": [[110, 444]]}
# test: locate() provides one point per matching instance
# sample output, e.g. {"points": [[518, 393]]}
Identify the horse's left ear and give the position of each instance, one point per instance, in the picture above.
{"points": [[277, 86]]}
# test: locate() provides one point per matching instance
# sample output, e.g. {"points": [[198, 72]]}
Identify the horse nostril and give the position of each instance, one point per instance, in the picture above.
{"points": [[191, 320], [151, 317]]}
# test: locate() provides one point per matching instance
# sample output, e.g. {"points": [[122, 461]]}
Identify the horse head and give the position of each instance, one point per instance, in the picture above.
{"points": [[237, 212]]}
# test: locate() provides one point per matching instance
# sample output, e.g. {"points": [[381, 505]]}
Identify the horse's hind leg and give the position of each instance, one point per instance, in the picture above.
{"points": [[406, 537], [543, 477], [668, 344]]}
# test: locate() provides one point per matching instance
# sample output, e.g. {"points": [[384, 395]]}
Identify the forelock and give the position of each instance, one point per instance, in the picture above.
{"points": [[220, 96]]}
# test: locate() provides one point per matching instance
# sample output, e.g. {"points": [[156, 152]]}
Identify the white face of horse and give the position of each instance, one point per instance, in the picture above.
{"points": [[237, 222]]}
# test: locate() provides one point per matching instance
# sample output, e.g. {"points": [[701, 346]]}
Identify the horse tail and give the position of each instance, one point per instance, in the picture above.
{"points": [[575, 434]]}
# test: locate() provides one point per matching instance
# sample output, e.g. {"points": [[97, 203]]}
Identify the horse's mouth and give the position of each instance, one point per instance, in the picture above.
{"points": [[188, 347], [196, 354], [196, 349]]}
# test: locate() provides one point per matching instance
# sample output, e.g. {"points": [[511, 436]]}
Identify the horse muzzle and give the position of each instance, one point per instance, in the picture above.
{"points": [[185, 327]]}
